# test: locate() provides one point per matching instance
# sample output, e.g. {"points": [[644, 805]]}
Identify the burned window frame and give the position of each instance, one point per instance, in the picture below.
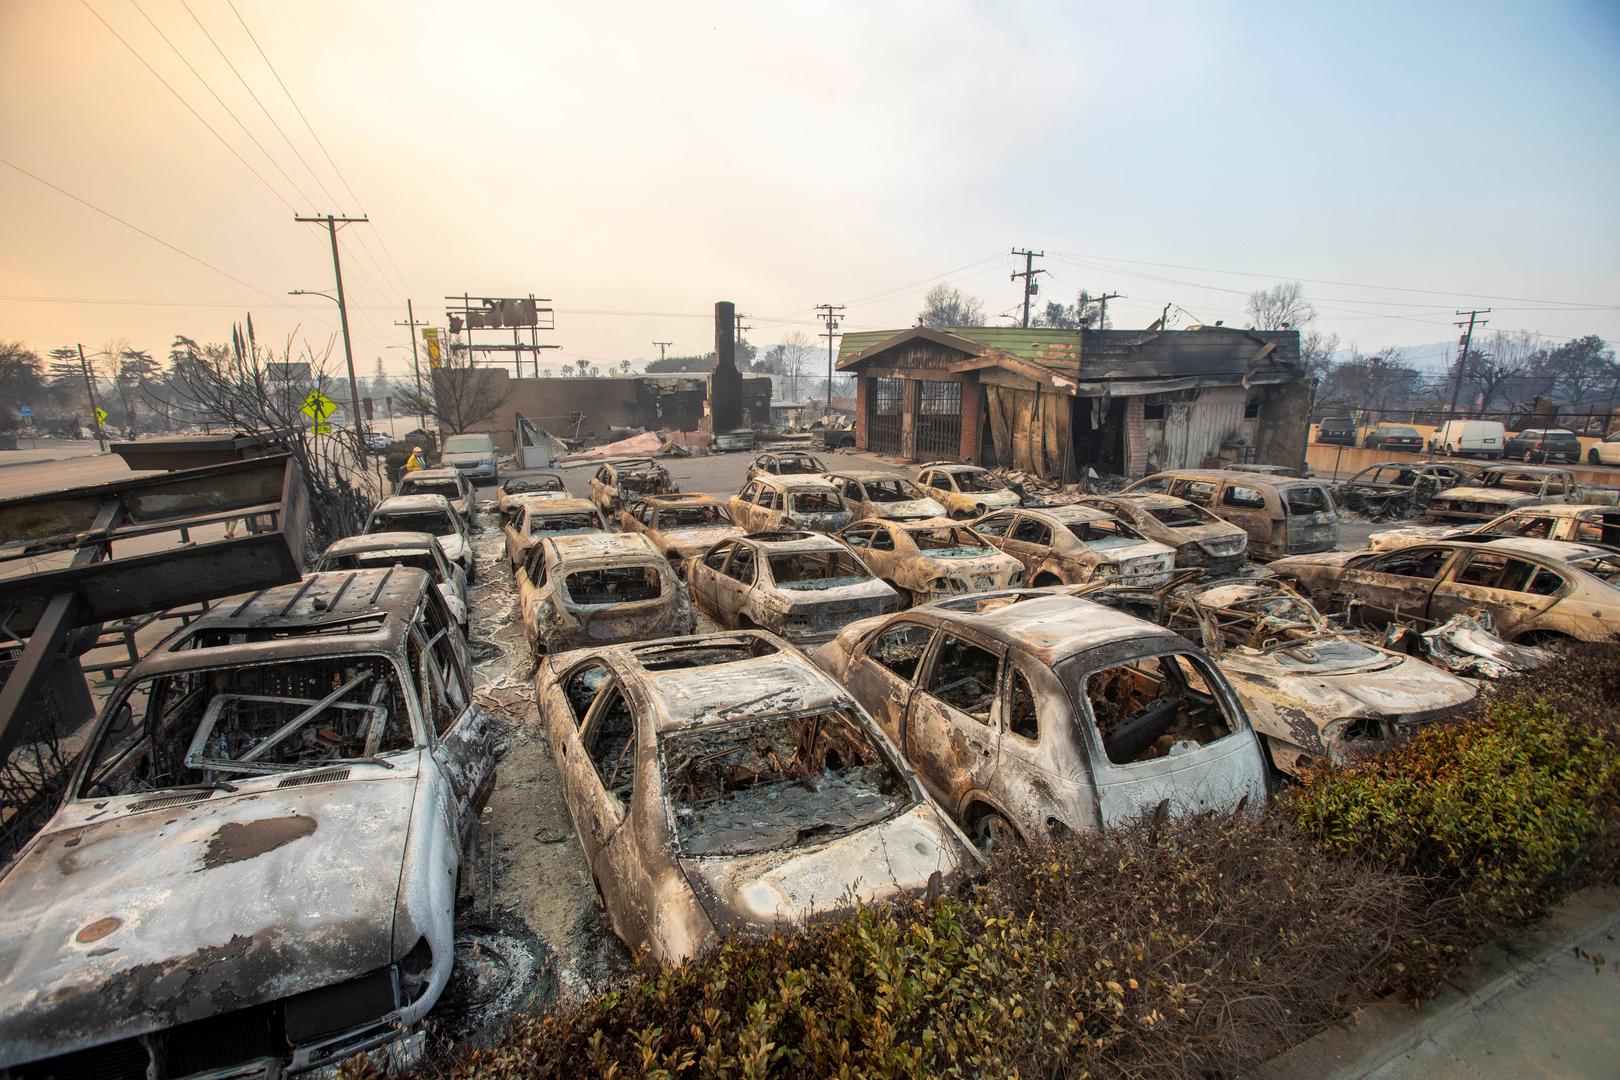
{"points": [[656, 570], [1075, 673], [935, 656], [869, 645]]}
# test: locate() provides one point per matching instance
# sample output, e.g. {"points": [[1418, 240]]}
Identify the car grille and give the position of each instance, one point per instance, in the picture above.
{"points": [[325, 776], [1222, 548], [164, 802]]}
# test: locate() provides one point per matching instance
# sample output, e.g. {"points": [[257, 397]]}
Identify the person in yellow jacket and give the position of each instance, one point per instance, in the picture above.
{"points": [[415, 461]]}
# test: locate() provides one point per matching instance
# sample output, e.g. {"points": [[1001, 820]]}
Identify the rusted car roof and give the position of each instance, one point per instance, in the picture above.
{"points": [[796, 482], [438, 472], [1067, 515], [1253, 479], [865, 476], [1053, 625], [413, 502], [540, 504], [589, 547], [793, 541], [780, 681]]}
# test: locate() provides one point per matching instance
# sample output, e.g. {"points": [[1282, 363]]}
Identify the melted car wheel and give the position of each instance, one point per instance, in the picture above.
{"points": [[992, 833]]}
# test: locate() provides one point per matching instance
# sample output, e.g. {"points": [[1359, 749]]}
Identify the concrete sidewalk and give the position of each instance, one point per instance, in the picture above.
{"points": [[1544, 1005]]}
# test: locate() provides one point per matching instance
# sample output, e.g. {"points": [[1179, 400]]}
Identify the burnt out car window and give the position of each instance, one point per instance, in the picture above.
{"points": [[888, 491], [1489, 571], [816, 570], [609, 736], [1601, 529], [948, 543], [1421, 563], [1153, 707], [899, 648], [995, 524], [1182, 516], [1021, 717], [965, 677], [1201, 492], [1032, 531], [777, 782], [571, 524], [1306, 499], [426, 521], [614, 585], [716, 559], [1243, 497], [768, 498], [816, 502], [581, 689], [978, 482], [742, 565], [690, 517], [447, 488], [215, 723]]}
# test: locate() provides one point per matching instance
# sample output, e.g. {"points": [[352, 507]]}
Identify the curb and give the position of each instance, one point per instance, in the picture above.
{"points": [[1377, 1034]]}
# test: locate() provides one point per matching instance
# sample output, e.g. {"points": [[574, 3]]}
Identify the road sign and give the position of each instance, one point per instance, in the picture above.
{"points": [[26, 410], [101, 417], [321, 427], [318, 406]]}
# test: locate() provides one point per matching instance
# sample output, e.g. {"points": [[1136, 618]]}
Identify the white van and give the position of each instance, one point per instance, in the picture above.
{"points": [[1469, 438]]}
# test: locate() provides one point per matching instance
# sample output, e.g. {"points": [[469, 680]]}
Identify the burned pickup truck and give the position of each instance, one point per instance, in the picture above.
{"points": [[254, 870], [721, 785]]}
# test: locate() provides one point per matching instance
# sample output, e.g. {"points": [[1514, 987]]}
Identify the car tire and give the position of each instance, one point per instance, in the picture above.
{"points": [[991, 833], [1044, 581], [1592, 457]]}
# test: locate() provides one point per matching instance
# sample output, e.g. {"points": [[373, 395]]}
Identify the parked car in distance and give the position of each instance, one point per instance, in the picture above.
{"points": [[1198, 536], [1030, 714], [614, 480], [1066, 545], [1282, 515], [722, 785], [532, 518], [451, 483], [474, 455], [1543, 445], [1605, 451], [530, 485], [1470, 438], [1336, 431], [1497, 489], [786, 463], [377, 441], [372, 551], [598, 589], [834, 438], [253, 869], [1576, 522], [803, 586], [1393, 489], [879, 495], [931, 560], [1537, 592], [966, 491], [774, 503], [679, 525], [1394, 437], [429, 514]]}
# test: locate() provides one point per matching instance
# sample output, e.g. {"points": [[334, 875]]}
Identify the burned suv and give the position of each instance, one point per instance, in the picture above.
{"points": [[254, 869]]}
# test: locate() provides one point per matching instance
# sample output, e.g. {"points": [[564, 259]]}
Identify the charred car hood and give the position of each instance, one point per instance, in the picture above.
{"points": [[906, 511], [1386, 685], [135, 922], [1499, 496], [883, 860], [696, 541]]}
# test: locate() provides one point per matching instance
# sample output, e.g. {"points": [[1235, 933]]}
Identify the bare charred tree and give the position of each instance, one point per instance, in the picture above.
{"points": [[1281, 307], [946, 305], [460, 395]]}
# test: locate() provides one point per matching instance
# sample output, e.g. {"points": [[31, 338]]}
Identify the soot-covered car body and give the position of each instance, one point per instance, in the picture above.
{"points": [[597, 589], [1282, 515], [529, 519], [1068, 545], [1199, 537], [373, 551], [1588, 523], [1395, 489], [774, 503], [786, 463], [803, 586], [451, 483], [721, 784], [430, 514], [530, 486], [615, 481], [254, 869], [931, 559], [879, 495], [679, 525], [1495, 490], [965, 491], [1029, 713]]}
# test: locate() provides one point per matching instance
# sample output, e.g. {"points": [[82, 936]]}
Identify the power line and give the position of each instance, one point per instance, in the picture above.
{"points": [[830, 314], [1031, 287]]}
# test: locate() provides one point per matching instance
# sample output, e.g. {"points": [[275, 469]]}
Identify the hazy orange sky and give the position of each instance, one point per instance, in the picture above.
{"points": [[636, 162]]}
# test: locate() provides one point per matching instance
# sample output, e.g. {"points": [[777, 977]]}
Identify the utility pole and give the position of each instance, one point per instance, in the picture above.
{"points": [[1102, 307], [332, 222], [1028, 274], [829, 313], [1462, 361], [739, 317], [90, 387], [410, 325], [662, 345]]}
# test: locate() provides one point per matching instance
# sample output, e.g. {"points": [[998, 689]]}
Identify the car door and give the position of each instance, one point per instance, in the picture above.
{"points": [[517, 527], [742, 506], [996, 527], [881, 674], [1030, 542], [1516, 592], [1394, 585], [597, 764], [768, 509], [462, 751], [701, 578], [733, 583], [952, 728]]}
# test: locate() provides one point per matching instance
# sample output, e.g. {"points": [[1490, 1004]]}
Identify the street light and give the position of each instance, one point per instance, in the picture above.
{"points": [[354, 384]]}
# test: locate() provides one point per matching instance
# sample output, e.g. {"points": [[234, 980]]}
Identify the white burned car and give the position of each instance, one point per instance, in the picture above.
{"points": [[879, 495], [721, 785], [529, 519], [596, 589], [374, 551], [1198, 536], [801, 585], [771, 503], [966, 491], [1067, 545], [430, 514], [931, 560], [254, 869], [1030, 713]]}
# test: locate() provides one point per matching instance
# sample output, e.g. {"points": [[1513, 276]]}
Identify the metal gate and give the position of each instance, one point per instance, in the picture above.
{"points": [[939, 421], [883, 416]]}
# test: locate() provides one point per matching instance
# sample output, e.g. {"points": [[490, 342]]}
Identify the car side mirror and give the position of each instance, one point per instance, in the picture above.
{"points": [[122, 721]]}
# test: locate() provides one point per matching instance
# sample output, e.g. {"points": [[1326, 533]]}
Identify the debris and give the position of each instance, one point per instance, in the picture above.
{"points": [[1467, 645]]}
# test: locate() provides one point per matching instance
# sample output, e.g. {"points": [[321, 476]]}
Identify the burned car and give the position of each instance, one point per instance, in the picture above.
{"points": [[772, 503], [1030, 714], [537, 485], [430, 514], [679, 525], [1198, 536], [1282, 515], [786, 463], [1537, 592], [451, 483], [1589, 523], [1496, 489], [931, 560], [1067, 545], [966, 491], [879, 495], [528, 519], [1311, 690], [1400, 489], [615, 480], [803, 586], [598, 589], [721, 784], [254, 869], [372, 551]]}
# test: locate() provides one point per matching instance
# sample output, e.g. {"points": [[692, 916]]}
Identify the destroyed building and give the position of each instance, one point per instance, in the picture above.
{"points": [[1053, 402]]}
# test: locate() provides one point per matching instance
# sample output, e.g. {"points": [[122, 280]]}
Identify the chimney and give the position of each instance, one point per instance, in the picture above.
{"points": [[725, 381]]}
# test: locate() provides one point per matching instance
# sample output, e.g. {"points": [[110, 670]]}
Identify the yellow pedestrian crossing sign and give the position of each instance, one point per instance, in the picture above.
{"points": [[101, 417], [321, 427], [318, 407]]}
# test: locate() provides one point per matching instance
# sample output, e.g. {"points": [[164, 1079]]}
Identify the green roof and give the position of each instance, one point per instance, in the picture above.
{"points": [[1039, 345]]}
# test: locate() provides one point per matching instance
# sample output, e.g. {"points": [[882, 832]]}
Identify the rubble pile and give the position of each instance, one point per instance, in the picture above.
{"points": [[1036, 491]]}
